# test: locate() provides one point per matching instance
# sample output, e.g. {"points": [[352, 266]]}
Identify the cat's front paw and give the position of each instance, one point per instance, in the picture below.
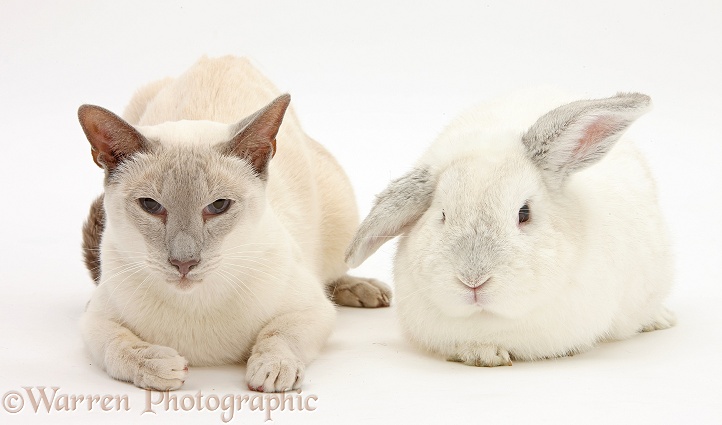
{"points": [[481, 355], [271, 372], [158, 367]]}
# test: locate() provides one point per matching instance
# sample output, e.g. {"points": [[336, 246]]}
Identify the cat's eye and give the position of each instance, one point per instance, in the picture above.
{"points": [[217, 207], [524, 213], [151, 206], [443, 216]]}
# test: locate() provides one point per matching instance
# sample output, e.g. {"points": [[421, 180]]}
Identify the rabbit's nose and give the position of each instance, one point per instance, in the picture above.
{"points": [[473, 281], [184, 267]]}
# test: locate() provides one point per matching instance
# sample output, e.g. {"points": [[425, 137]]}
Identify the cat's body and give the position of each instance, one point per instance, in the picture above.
{"points": [[186, 275]]}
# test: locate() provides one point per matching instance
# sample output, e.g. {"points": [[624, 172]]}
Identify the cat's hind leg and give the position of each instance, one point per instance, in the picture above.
{"points": [[354, 291]]}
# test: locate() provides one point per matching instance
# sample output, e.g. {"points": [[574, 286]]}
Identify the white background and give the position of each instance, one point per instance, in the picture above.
{"points": [[374, 81]]}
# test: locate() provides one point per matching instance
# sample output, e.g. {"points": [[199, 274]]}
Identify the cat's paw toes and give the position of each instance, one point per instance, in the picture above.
{"points": [[663, 320], [159, 368], [267, 372], [481, 355], [360, 292]]}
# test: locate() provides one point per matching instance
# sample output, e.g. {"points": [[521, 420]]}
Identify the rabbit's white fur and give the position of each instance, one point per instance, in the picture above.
{"points": [[592, 263]]}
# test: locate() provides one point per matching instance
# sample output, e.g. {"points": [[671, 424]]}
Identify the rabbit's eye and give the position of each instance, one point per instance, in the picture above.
{"points": [[524, 214]]}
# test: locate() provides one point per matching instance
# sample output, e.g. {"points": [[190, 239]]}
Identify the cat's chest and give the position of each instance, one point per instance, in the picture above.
{"points": [[206, 335]]}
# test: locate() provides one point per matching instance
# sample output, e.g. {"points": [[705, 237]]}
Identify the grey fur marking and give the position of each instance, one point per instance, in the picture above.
{"points": [[179, 178], [398, 206]]}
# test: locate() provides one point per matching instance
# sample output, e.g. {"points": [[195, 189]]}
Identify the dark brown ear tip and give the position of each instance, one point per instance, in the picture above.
{"points": [[85, 111], [87, 107], [283, 99]]}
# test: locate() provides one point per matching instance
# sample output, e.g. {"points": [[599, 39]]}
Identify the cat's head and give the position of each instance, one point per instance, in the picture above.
{"points": [[174, 191]]}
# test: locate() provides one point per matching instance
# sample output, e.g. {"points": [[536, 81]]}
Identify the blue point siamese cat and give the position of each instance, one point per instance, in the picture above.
{"points": [[220, 235]]}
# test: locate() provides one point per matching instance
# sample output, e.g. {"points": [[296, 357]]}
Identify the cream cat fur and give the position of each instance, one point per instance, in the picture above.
{"points": [[190, 278]]}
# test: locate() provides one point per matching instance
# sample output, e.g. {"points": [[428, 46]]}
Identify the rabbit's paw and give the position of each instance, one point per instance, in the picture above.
{"points": [[483, 355], [663, 320], [360, 292]]}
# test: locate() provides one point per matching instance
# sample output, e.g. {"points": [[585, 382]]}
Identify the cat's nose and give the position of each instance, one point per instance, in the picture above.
{"points": [[183, 266]]}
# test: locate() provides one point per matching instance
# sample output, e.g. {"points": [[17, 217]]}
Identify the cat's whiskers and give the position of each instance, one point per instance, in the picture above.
{"points": [[157, 268], [250, 259], [243, 269], [252, 252], [236, 282], [211, 264], [253, 245], [222, 274], [128, 299], [99, 268], [106, 249], [262, 244], [120, 269], [147, 288], [138, 268]]}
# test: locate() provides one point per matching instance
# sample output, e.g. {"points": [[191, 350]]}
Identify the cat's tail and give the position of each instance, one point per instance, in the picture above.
{"points": [[92, 232]]}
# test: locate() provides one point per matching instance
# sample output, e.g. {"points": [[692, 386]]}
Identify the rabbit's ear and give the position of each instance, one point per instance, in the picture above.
{"points": [[397, 207], [576, 135]]}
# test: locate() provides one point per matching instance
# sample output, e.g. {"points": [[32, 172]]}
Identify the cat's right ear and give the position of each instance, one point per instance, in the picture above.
{"points": [[112, 140]]}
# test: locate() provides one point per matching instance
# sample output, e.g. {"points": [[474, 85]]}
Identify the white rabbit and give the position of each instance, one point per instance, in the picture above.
{"points": [[527, 234]]}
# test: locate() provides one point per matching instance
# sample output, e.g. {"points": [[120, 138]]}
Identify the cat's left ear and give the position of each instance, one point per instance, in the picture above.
{"points": [[112, 139], [255, 139]]}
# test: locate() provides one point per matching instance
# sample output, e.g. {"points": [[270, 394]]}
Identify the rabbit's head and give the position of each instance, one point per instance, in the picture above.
{"points": [[486, 229]]}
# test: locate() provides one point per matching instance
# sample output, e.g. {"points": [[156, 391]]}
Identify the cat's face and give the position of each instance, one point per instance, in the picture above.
{"points": [[183, 201], [175, 191]]}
